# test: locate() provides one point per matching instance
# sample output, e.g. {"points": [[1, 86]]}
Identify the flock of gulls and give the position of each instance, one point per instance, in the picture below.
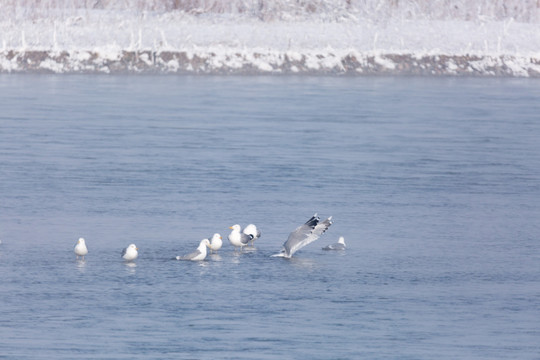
{"points": [[300, 237]]}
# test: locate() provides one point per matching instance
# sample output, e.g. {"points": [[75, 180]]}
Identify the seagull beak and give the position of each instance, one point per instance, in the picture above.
{"points": [[230, 227], [221, 237]]}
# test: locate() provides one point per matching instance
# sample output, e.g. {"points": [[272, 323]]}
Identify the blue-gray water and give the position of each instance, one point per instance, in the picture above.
{"points": [[433, 182]]}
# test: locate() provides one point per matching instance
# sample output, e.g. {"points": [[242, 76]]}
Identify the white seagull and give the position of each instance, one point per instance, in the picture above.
{"points": [[238, 238], [215, 243], [197, 255], [340, 245], [130, 253], [80, 248], [251, 230], [304, 235]]}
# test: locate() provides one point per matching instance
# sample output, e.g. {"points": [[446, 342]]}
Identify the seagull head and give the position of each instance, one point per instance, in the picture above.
{"points": [[204, 242]]}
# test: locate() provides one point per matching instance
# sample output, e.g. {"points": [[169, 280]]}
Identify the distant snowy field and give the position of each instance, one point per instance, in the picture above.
{"points": [[339, 37]]}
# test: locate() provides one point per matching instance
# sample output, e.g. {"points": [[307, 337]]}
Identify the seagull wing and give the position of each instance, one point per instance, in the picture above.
{"points": [[305, 234], [244, 238], [191, 255]]}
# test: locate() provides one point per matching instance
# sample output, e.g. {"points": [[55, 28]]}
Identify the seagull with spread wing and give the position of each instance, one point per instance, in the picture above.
{"points": [[304, 235]]}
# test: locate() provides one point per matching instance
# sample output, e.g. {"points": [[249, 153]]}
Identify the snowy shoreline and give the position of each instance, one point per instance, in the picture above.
{"points": [[281, 37], [242, 62]]}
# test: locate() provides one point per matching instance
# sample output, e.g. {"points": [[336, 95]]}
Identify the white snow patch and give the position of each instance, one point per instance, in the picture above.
{"points": [[79, 55], [294, 56], [518, 66], [144, 57], [384, 62], [173, 65], [312, 62], [264, 66], [331, 61], [8, 65], [451, 65], [50, 64]]}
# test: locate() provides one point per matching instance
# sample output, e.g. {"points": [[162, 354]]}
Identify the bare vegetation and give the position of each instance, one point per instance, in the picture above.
{"points": [[271, 10]]}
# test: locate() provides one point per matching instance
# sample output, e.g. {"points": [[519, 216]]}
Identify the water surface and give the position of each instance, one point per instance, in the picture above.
{"points": [[433, 182]]}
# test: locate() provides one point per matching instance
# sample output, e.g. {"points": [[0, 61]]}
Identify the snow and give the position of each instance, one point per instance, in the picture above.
{"points": [[446, 37], [385, 63]]}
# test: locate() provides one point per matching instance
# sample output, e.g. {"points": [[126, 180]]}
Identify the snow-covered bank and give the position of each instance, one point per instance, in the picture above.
{"points": [[242, 62], [281, 37]]}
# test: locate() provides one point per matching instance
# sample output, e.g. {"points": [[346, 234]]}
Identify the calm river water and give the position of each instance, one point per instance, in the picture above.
{"points": [[433, 182]]}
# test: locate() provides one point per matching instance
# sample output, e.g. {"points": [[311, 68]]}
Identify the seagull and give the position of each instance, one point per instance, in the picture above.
{"points": [[130, 253], [237, 238], [197, 255], [80, 248], [215, 243], [251, 230], [340, 245], [304, 235]]}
